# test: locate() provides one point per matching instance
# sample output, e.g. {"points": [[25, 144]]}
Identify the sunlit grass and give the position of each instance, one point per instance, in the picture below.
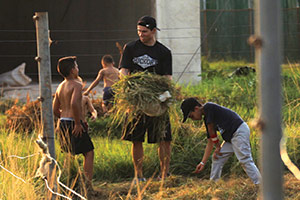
{"points": [[113, 168], [11, 187]]}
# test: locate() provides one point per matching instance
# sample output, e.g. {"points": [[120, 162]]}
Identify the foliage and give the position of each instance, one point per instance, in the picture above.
{"points": [[11, 187], [113, 160], [6, 104], [290, 93], [105, 127], [97, 103], [24, 118], [237, 93], [220, 69]]}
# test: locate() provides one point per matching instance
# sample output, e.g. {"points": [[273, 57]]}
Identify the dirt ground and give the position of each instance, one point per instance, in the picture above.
{"points": [[32, 90]]}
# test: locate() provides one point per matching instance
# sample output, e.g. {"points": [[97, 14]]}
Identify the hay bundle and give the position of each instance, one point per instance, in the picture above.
{"points": [[143, 93], [25, 117]]}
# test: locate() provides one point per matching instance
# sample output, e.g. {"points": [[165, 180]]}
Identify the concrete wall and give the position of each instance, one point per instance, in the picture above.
{"points": [[90, 29], [86, 29], [179, 22]]}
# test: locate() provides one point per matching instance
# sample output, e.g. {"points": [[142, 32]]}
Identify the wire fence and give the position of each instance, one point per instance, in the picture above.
{"points": [[229, 38], [222, 39]]}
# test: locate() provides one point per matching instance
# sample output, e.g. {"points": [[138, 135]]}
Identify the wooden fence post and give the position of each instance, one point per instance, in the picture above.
{"points": [[269, 57], [44, 66]]}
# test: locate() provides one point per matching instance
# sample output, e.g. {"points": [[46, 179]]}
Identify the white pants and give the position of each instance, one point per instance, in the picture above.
{"points": [[240, 146]]}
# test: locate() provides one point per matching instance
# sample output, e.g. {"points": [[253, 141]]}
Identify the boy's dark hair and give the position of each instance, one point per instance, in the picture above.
{"points": [[65, 65], [187, 106], [108, 59]]}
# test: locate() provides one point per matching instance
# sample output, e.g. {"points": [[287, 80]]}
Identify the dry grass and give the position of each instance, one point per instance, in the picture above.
{"points": [[25, 117], [139, 94], [11, 187], [189, 188]]}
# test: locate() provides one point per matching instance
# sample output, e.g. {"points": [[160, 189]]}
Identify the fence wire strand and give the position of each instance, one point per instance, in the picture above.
{"points": [[46, 182]]}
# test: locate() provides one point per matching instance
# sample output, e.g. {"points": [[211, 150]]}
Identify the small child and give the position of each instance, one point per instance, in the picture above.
{"points": [[87, 106], [110, 75]]}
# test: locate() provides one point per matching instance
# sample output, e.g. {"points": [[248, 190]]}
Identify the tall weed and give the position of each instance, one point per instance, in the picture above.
{"points": [[12, 187]]}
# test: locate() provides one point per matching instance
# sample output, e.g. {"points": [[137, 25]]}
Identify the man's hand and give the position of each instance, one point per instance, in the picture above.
{"points": [[216, 153], [78, 129], [199, 168]]}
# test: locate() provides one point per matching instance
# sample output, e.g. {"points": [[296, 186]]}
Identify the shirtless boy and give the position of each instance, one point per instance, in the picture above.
{"points": [[67, 105], [110, 75]]}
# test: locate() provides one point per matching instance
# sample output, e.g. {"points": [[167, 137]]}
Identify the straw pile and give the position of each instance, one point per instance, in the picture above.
{"points": [[143, 93]]}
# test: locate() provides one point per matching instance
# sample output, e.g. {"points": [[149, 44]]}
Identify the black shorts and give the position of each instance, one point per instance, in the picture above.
{"points": [[108, 95], [71, 143], [136, 130]]}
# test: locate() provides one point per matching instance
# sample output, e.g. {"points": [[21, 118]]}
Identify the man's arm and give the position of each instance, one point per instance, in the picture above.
{"points": [[76, 105], [125, 61], [95, 82], [56, 106], [213, 134], [213, 139], [208, 150]]}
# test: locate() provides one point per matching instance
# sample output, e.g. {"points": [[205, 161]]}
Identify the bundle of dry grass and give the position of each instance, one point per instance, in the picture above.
{"points": [[24, 118], [143, 93]]}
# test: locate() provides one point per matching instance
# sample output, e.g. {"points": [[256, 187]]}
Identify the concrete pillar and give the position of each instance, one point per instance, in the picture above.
{"points": [[179, 22]]}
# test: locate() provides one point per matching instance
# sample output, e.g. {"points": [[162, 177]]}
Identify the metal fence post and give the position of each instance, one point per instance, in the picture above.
{"points": [[269, 57], [44, 66]]}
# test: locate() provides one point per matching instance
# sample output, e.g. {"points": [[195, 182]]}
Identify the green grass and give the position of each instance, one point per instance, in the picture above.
{"points": [[113, 161]]}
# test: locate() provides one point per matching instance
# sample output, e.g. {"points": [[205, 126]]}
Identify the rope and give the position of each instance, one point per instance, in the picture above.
{"points": [[14, 156], [58, 179], [286, 159], [55, 192], [44, 169], [13, 174], [44, 166]]}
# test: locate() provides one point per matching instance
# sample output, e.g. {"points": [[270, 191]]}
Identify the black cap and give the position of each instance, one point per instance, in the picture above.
{"points": [[148, 22], [187, 106]]}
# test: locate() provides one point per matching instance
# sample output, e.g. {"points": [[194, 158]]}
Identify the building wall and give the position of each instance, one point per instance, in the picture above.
{"points": [[86, 29], [179, 22]]}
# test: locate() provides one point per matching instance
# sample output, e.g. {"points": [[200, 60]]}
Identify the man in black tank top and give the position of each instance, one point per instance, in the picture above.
{"points": [[147, 54]]}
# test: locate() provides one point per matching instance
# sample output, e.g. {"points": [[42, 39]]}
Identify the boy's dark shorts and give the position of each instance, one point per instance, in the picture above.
{"points": [[136, 131], [108, 95], [71, 143]]}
